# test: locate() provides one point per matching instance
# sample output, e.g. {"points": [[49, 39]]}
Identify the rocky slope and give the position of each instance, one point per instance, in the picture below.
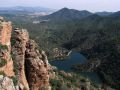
{"points": [[18, 50], [32, 65], [6, 62], [36, 67]]}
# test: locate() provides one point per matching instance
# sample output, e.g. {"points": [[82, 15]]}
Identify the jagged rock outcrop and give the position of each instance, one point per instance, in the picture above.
{"points": [[5, 52], [6, 83], [21, 37], [33, 66], [5, 32], [8, 67], [21, 48], [36, 67]]}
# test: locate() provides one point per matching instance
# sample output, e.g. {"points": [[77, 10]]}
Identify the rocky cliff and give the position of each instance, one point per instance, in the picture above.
{"points": [[5, 47], [18, 49], [30, 70], [36, 67], [32, 65]]}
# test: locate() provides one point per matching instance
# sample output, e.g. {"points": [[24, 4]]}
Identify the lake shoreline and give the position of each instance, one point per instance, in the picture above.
{"points": [[74, 58]]}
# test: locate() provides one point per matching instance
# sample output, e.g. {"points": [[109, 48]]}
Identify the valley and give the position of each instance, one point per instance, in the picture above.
{"points": [[93, 36]]}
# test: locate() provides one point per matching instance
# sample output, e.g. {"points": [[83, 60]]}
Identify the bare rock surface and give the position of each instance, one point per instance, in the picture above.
{"points": [[33, 66], [6, 83]]}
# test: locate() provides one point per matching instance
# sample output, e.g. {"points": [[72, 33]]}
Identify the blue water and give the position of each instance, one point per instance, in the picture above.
{"points": [[65, 64], [75, 58]]}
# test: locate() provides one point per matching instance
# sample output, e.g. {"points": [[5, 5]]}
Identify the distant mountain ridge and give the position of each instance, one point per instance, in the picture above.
{"points": [[64, 13], [67, 14], [72, 14], [104, 13], [116, 14]]}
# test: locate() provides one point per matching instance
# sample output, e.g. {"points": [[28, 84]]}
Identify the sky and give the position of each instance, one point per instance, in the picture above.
{"points": [[91, 5]]}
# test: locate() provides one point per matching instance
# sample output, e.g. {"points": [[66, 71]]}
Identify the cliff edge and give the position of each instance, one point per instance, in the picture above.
{"points": [[32, 65], [22, 65]]}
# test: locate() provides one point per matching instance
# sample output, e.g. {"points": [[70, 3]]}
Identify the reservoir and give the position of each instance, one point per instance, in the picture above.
{"points": [[72, 59]]}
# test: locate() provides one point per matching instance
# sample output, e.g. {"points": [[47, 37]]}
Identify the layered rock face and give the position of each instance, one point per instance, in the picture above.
{"points": [[32, 66], [20, 39], [5, 32], [5, 37], [36, 67]]}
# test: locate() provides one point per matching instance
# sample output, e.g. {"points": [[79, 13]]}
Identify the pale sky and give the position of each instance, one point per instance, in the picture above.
{"points": [[91, 5]]}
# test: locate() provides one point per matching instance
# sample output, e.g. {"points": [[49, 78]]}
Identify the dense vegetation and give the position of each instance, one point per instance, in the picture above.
{"points": [[2, 62], [99, 39], [70, 81]]}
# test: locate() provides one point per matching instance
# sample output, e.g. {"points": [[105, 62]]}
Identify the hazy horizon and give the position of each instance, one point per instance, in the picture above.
{"points": [[93, 6]]}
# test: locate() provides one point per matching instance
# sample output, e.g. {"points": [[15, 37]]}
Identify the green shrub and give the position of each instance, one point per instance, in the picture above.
{"points": [[2, 73], [13, 42], [14, 64], [15, 68], [3, 47], [56, 84], [2, 62], [15, 80]]}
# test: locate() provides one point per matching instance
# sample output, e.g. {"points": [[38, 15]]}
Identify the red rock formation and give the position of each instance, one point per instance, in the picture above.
{"points": [[5, 37], [36, 67], [5, 32], [21, 38], [32, 65]]}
